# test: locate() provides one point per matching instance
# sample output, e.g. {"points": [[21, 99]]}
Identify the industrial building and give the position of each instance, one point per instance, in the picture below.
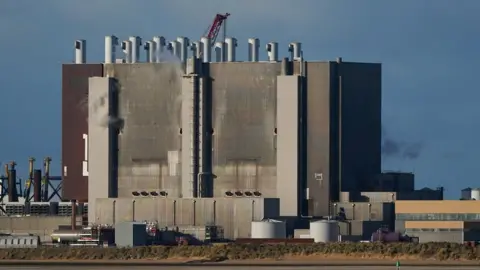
{"points": [[252, 131], [449, 221]]}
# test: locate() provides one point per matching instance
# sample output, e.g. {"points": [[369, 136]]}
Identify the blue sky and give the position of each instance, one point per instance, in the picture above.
{"points": [[429, 50]]}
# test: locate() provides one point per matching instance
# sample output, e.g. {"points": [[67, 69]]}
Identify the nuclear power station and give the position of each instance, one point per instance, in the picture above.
{"points": [[173, 136]]}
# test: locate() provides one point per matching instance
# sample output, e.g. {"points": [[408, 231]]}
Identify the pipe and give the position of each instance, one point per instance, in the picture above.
{"points": [[74, 215], [80, 51], [231, 49], [183, 44], [37, 185], [149, 48], [295, 49], [272, 51], [206, 49], [253, 47], [196, 48], [127, 51], [46, 166], [220, 51], [111, 42], [12, 183], [160, 44], [174, 48], [136, 43]]}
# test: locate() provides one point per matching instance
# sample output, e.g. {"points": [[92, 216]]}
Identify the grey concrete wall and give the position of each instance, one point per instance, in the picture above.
{"points": [[233, 214], [41, 226], [425, 237], [287, 144], [361, 229], [319, 179], [244, 108], [100, 169], [150, 102], [368, 211]]}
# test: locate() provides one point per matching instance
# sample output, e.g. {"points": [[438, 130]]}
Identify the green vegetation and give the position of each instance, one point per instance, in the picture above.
{"points": [[437, 251]]}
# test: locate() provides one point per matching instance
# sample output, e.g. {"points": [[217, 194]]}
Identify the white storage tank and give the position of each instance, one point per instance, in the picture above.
{"points": [[268, 229], [324, 231], [475, 194]]}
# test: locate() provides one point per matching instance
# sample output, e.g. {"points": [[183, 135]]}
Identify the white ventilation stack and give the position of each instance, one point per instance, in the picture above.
{"points": [[183, 44], [160, 44], [196, 48], [80, 51], [206, 49], [231, 49], [272, 51], [295, 49], [220, 51], [127, 51], [174, 48], [111, 43], [253, 48], [149, 48], [136, 43]]}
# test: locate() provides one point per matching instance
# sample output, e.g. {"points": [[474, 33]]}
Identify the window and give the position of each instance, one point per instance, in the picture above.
{"points": [[438, 216]]}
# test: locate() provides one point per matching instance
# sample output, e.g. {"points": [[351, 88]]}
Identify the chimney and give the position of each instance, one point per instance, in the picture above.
{"points": [[253, 47], [295, 49], [220, 52], [272, 51], [206, 49], [80, 51], [136, 43], [183, 44], [231, 49], [111, 42], [127, 51], [150, 51], [160, 44]]}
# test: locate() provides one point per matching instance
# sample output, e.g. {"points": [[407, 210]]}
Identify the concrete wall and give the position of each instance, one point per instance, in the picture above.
{"points": [[102, 141], [244, 113], [150, 142], [233, 214], [361, 229], [41, 226]]}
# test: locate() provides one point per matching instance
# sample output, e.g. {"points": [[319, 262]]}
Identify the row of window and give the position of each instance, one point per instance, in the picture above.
{"points": [[438, 216], [435, 230]]}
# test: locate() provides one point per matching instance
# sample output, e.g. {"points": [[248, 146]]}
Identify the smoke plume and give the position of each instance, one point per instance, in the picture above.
{"points": [[392, 147]]}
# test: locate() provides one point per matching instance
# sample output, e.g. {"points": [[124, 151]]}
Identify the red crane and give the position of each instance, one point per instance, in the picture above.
{"points": [[212, 31]]}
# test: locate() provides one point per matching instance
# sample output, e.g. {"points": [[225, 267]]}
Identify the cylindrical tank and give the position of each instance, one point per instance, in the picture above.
{"points": [[475, 194], [136, 43], [272, 51], [127, 50], [253, 47], [324, 231], [149, 48], [111, 43], [68, 236], [80, 51], [183, 44], [231, 49], [206, 49], [160, 44], [220, 51], [269, 229], [295, 49]]}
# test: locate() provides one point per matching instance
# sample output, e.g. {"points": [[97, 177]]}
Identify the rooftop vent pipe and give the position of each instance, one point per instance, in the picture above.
{"points": [[295, 49], [231, 49], [272, 51], [127, 51], [183, 44], [196, 48], [253, 47], [149, 48], [136, 43], [80, 51], [173, 47], [111, 42], [206, 49], [220, 52], [160, 44]]}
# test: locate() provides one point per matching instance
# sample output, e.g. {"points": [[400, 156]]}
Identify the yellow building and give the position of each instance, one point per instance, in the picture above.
{"points": [[453, 221]]}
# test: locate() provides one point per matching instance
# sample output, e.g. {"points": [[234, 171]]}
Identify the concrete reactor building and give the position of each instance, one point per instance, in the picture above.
{"points": [[188, 141]]}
